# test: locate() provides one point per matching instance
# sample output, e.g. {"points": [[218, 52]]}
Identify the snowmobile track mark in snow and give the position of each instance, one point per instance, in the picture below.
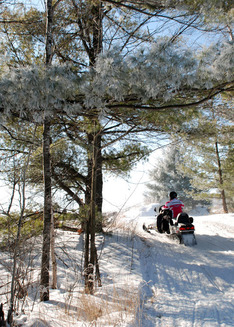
{"points": [[210, 277]]}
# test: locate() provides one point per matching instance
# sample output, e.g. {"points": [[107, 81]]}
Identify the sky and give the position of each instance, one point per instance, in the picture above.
{"points": [[119, 193]]}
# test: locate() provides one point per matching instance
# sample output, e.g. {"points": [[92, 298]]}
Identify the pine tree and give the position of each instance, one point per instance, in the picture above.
{"points": [[228, 170], [208, 155], [166, 177]]}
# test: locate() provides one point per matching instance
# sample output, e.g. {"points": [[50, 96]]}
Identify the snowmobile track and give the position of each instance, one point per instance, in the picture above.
{"points": [[184, 278]]}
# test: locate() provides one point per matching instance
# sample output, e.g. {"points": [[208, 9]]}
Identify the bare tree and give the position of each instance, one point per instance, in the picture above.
{"points": [[17, 241]]}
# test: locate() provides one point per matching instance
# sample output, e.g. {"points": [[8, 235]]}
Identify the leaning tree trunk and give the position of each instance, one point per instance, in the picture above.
{"points": [[223, 196], [45, 262]]}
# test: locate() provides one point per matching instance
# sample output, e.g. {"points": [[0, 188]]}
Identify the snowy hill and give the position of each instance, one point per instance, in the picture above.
{"points": [[147, 280]]}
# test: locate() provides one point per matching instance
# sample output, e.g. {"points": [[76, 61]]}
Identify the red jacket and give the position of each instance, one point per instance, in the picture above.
{"points": [[175, 205]]}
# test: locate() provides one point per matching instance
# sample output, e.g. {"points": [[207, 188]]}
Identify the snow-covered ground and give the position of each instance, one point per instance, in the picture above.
{"points": [[147, 279]]}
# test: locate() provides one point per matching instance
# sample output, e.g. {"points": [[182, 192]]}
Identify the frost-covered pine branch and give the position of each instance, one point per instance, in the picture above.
{"points": [[161, 72], [156, 76], [35, 91]]}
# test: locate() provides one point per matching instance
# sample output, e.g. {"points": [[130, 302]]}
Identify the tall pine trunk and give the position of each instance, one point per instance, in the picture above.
{"points": [[45, 262], [94, 193], [99, 176], [92, 224], [91, 260]]}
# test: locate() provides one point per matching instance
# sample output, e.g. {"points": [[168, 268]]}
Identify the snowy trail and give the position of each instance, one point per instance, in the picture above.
{"points": [[177, 285], [188, 286]]}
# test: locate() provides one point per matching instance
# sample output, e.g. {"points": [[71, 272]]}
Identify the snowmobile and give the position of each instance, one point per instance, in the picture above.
{"points": [[180, 228]]}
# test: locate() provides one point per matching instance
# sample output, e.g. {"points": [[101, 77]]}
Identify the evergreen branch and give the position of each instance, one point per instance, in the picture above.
{"points": [[159, 7], [67, 189], [13, 137], [13, 150], [72, 171], [213, 92], [119, 138], [16, 21], [131, 7]]}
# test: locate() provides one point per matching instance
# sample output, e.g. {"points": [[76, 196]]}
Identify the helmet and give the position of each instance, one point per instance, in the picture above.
{"points": [[173, 195]]}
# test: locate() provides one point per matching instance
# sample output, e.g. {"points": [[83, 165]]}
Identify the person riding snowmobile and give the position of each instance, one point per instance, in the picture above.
{"points": [[170, 210], [174, 204]]}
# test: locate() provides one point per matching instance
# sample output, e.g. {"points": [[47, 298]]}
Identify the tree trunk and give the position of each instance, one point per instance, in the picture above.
{"points": [[99, 176], [91, 259], [97, 31], [93, 196], [53, 257], [86, 256], [92, 223], [44, 294], [93, 217], [97, 12], [49, 33], [45, 261], [2, 318], [223, 196], [98, 275]]}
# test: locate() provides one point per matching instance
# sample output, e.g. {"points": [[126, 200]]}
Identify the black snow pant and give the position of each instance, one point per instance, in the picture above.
{"points": [[162, 224]]}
